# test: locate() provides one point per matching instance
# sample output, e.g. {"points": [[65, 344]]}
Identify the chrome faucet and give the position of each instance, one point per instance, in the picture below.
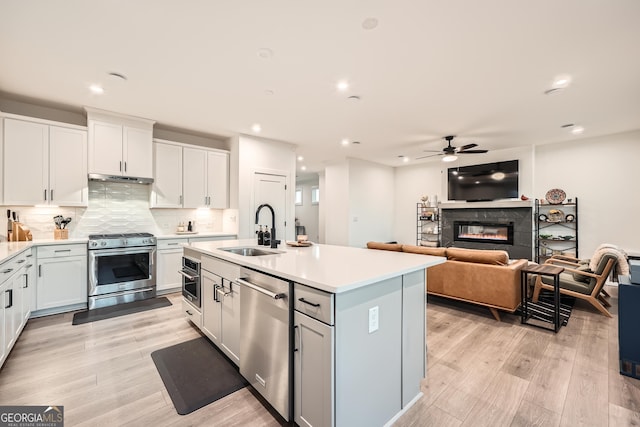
{"points": [[274, 242]]}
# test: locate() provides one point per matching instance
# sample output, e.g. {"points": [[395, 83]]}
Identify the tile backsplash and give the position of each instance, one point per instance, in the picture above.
{"points": [[118, 208]]}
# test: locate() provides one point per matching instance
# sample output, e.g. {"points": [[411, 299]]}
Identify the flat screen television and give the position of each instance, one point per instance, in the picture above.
{"points": [[489, 181]]}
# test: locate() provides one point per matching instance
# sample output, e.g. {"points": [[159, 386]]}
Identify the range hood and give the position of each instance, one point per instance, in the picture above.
{"points": [[118, 178]]}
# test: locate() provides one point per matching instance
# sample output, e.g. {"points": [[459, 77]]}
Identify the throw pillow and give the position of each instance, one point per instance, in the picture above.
{"points": [[492, 257], [582, 278]]}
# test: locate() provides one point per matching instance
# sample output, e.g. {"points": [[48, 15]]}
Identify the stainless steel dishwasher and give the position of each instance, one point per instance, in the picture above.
{"points": [[265, 339]]}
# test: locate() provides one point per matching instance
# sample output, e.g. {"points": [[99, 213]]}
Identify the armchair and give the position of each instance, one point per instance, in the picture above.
{"points": [[579, 282]]}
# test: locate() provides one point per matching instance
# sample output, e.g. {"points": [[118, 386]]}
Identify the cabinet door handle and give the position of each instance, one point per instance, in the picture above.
{"points": [[189, 313], [180, 200], [40, 270], [312, 304], [62, 250], [295, 334], [21, 261], [10, 291], [51, 191], [125, 166], [8, 270], [45, 194], [26, 280], [120, 165]]}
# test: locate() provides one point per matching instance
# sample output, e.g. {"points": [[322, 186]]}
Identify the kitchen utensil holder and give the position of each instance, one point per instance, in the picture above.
{"points": [[60, 234]]}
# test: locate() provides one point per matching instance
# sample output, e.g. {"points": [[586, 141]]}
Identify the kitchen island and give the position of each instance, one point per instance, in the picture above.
{"points": [[356, 326]]}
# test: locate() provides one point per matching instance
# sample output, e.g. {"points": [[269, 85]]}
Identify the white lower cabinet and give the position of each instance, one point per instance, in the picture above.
{"points": [[168, 262], [313, 370], [313, 357], [15, 299], [62, 276], [221, 313]]}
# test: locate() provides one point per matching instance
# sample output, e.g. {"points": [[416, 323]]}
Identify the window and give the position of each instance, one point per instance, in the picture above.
{"points": [[298, 196], [315, 195]]}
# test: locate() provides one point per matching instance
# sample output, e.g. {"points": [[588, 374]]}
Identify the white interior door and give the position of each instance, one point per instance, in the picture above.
{"points": [[270, 189]]}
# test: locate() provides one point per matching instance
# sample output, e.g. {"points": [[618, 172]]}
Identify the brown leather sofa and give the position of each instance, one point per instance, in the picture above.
{"points": [[483, 277]]}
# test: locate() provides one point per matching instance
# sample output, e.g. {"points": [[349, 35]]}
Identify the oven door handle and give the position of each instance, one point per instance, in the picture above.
{"points": [[188, 276]]}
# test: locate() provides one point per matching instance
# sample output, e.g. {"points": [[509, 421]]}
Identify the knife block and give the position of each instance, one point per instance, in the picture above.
{"points": [[60, 234], [20, 232]]}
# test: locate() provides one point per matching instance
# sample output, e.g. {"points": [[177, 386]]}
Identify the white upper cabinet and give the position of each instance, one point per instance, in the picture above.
{"points": [[44, 164], [205, 178], [218, 179], [166, 191], [120, 145]]}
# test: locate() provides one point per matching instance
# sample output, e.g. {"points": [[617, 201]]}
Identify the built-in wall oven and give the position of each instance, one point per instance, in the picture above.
{"points": [[122, 268], [190, 273]]}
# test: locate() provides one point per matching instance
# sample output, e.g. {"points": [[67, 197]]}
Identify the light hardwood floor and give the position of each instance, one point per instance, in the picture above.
{"points": [[480, 372]]}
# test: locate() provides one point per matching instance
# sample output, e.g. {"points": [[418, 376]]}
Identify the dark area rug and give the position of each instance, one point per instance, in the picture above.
{"points": [[195, 374], [543, 309], [119, 310]]}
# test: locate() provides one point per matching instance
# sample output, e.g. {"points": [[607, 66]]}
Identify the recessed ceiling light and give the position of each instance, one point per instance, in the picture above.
{"points": [[344, 142], [342, 86], [561, 82], [405, 159], [300, 158], [577, 130], [304, 168], [265, 53], [96, 89], [369, 23], [256, 128]]}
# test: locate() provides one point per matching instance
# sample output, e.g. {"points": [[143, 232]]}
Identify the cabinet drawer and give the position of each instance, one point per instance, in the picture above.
{"points": [[314, 303], [171, 243], [223, 269], [191, 313], [55, 251]]}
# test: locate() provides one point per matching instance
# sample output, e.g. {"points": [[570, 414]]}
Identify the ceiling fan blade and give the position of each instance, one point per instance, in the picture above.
{"points": [[431, 155], [466, 147], [473, 151], [432, 151]]}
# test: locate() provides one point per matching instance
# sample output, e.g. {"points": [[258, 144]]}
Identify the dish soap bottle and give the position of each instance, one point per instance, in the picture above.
{"points": [[267, 237], [260, 237], [189, 227]]}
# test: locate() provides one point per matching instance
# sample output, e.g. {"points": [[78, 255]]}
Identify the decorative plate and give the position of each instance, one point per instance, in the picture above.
{"points": [[543, 217], [555, 196], [556, 215], [570, 218]]}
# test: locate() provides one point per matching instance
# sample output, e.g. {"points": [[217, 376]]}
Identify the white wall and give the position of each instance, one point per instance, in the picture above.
{"points": [[604, 174], [248, 156], [359, 197], [371, 202], [308, 213], [335, 201]]}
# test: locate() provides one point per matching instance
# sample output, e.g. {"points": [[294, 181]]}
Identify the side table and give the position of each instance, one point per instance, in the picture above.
{"points": [[543, 270]]}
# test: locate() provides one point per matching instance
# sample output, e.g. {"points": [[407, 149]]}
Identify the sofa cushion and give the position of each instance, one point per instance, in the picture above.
{"points": [[424, 250], [385, 246], [480, 256]]}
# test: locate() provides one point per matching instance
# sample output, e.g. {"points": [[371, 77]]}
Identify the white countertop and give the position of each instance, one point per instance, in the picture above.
{"points": [[10, 249], [334, 269]]}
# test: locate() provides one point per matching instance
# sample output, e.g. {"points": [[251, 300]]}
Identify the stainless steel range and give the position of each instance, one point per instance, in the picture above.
{"points": [[122, 268]]}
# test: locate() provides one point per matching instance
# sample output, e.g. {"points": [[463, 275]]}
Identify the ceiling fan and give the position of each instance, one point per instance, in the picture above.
{"points": [[450, 153]]}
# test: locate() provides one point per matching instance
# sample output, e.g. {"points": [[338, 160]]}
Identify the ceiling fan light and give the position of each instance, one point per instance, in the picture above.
{"points": [[450, 158]]}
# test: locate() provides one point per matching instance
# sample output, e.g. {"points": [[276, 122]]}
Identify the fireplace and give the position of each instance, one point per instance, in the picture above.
{"points": [[483, 232]]}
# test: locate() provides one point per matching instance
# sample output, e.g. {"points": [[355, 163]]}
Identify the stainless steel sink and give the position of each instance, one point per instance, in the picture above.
{"points": [[250, 251]]}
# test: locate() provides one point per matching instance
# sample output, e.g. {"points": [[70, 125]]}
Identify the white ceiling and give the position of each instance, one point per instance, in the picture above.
{"points": [[476, 69]]}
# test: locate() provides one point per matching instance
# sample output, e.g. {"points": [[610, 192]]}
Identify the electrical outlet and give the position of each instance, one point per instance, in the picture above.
{"points": [[373, 319]]}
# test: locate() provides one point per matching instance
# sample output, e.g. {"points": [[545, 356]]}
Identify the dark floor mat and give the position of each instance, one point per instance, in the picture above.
{"points": [[195, 374], [119, 310]]}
